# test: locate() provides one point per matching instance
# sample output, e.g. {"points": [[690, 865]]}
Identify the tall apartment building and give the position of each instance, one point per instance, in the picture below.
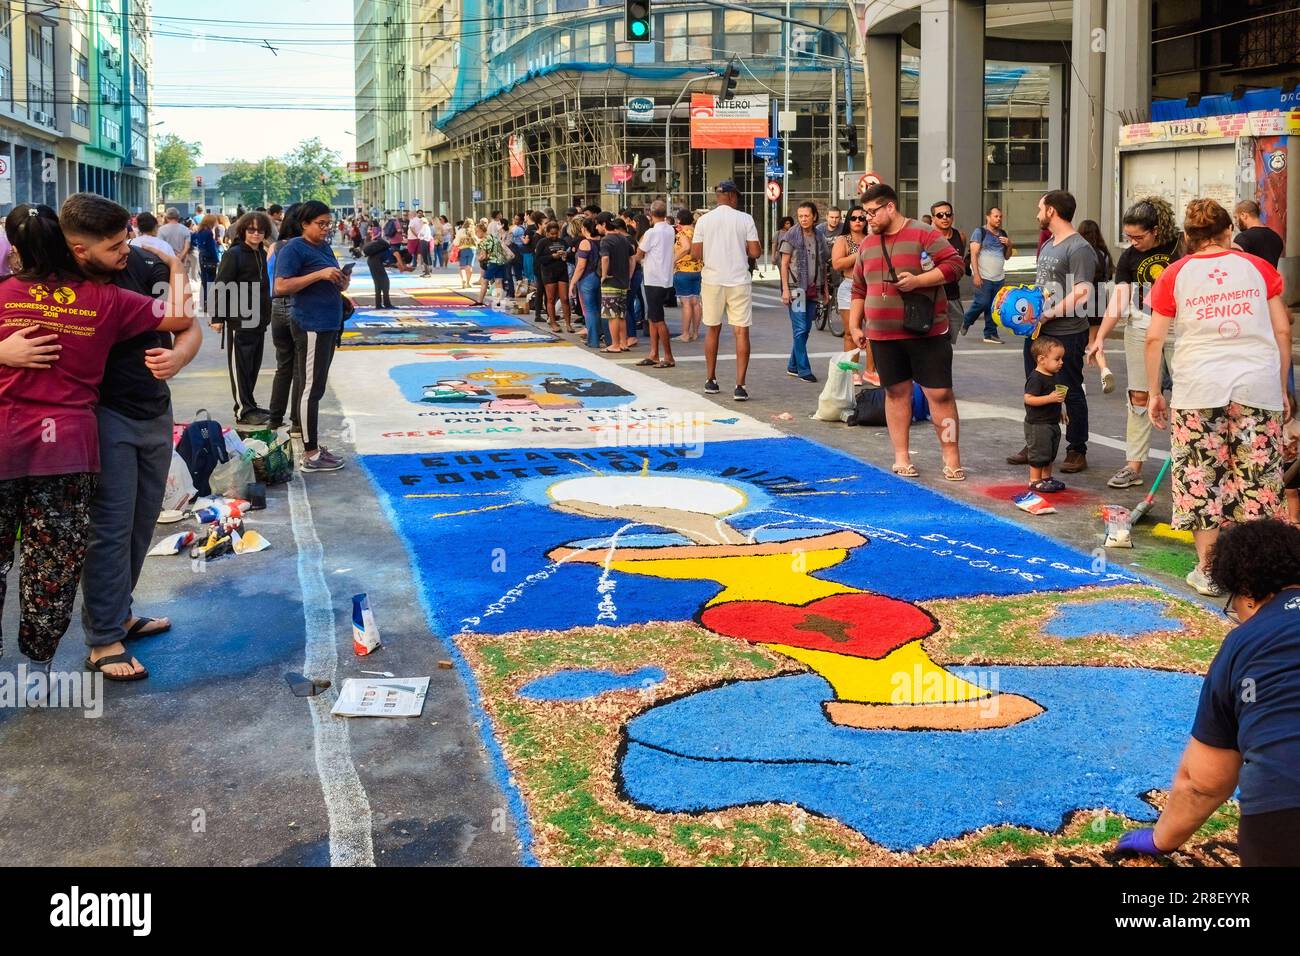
{"points": [[74, 101]]}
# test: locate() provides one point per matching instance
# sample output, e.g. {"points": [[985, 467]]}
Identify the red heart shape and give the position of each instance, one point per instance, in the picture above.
{"points": [[857, 625]]}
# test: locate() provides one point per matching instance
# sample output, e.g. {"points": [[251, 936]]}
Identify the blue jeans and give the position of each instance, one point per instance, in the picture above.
{"points": [[801, 324], [589, 293], [983, 302], [636, 303]]}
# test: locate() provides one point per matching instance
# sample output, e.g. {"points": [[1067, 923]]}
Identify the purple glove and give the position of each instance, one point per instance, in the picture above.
{"points": [[1139, 841]]}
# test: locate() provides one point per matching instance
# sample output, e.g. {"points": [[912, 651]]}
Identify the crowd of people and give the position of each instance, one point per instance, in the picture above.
{"points": [[1207, 341]]}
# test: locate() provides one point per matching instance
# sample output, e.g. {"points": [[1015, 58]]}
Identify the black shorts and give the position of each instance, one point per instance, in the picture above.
{"points": [[1269, 839], [1042, 442], [926, 361], [655, 297]]}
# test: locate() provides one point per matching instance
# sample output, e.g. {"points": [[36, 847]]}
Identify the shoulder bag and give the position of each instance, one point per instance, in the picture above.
{"points": [[918, 307]]}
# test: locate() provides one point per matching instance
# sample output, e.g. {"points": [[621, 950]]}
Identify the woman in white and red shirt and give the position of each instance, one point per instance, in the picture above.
{"points": [[1232, 352], [56, 329]]}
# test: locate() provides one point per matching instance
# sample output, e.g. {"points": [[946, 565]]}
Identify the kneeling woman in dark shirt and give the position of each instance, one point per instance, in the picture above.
{"points": [[1247, 729]]}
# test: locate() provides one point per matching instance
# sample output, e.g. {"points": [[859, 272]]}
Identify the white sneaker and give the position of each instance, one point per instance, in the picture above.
{"points": [[1107, 381], [1203, 585]]}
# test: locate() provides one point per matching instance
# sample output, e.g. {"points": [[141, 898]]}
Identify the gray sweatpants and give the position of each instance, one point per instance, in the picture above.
{"points": [[135, 457]]}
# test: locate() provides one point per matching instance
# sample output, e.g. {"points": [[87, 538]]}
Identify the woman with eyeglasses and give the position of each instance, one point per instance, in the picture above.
{"points": [[844, 256], [1154, 242], [1246, 732], [241, 311], [307, 271]]}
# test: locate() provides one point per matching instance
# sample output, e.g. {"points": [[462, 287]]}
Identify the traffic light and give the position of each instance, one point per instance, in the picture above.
{"points": [[727, 84], [198, 182], [849, 139], [636, 22]]}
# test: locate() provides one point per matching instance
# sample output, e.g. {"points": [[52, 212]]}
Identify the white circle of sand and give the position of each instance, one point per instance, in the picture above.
{"points": [[660, 491]]}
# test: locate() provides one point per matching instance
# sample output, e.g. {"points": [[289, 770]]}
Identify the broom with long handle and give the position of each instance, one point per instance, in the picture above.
{"points": [[1141, 510]]}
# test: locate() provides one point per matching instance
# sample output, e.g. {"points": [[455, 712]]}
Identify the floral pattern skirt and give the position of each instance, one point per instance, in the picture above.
{"points": [[1226, 466]]}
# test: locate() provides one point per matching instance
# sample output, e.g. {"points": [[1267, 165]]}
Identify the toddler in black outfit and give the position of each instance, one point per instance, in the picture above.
{"points": [[1043, 413]]}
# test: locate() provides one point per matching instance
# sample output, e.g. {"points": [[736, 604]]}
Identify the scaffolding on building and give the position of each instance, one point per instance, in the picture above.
{"points": [[575, 129]]}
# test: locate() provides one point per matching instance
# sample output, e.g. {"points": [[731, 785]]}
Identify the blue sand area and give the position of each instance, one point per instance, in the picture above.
{"points": [[584, 684], [569, 385], [922, 546], [1123, 618], [1108, 735]]}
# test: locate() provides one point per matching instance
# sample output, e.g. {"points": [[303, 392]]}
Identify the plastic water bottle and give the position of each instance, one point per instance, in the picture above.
{"points": [[926, 262]]}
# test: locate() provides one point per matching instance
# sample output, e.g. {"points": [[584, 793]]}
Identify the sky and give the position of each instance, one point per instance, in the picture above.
{"points": [[211, 54]]}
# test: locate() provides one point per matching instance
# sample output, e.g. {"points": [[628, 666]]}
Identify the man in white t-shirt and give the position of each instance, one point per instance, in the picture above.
{"points": [[657, 272], [725, 240], [148, 238]]}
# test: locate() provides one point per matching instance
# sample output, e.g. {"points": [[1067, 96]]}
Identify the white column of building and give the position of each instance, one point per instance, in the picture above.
{"points": [[882, 62], [951, 122], [1056, 139], [1086, 156], [1128, 87]]}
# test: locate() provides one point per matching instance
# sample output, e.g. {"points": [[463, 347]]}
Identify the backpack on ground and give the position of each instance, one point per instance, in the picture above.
{"points": [[870, 407], [203, 448]]}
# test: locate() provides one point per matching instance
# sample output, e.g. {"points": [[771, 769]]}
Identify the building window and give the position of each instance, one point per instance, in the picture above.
{"points": [[673, 30], [699, 29], [81, 66], [111, 130], [80, 113], [738, 33]]}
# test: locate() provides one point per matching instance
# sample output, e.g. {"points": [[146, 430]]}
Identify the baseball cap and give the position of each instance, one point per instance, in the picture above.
{"points": [[605, 218], [726, 186]]}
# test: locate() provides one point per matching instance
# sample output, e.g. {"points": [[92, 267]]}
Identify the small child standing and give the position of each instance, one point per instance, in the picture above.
{"points": [[1043, 407]]}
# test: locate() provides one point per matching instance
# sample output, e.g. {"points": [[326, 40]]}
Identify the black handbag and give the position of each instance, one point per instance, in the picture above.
{"points": [[918, 307]]}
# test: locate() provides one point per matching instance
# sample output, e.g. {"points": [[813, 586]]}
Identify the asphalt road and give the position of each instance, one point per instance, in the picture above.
{"points": [[212, 761]]}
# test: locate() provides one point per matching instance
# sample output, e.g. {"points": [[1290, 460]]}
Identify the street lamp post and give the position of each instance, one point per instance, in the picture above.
{"points": [[668, 132]]}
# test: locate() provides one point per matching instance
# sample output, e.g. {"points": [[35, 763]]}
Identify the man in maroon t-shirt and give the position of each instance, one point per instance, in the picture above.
{"points": [[907, 257]]}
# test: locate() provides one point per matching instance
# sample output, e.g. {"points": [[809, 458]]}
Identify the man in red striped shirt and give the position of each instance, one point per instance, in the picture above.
{"points": [[907, 257]]}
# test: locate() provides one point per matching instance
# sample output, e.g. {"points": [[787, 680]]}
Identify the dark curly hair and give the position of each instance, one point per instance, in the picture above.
{"points": [[1256, 558]]}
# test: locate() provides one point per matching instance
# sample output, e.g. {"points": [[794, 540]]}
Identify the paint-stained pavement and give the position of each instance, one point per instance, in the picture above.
{"points": [[212, 761]]}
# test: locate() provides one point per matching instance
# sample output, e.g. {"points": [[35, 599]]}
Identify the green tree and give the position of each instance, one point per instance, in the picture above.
{"points": [[248, 183], [174, 161], [313, 171]]}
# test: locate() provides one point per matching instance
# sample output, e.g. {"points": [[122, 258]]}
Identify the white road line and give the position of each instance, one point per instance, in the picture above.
{"points": [[346, 803]]}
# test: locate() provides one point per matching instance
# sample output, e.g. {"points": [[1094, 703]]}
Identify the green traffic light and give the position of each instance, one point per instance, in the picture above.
{"points": [[640, 28]]}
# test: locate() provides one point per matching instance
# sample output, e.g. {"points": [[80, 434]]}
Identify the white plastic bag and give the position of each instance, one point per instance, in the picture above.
{"points": [[837, 394], [180, 485], [231, 478]]}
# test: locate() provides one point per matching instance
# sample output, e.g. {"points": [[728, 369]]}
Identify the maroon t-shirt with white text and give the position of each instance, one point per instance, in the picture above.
{"points": [[47, 416]]}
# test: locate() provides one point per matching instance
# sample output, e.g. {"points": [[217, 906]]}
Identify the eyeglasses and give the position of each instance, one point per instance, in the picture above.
{"points": [[942, 215], [323, 223], [1230, 612], [257, 229], [857, 218], [871, 213]]}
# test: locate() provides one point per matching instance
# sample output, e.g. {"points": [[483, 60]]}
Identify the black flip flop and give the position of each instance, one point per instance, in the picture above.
{"points": [[98, 666], [648, 362], [137, 629]]}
